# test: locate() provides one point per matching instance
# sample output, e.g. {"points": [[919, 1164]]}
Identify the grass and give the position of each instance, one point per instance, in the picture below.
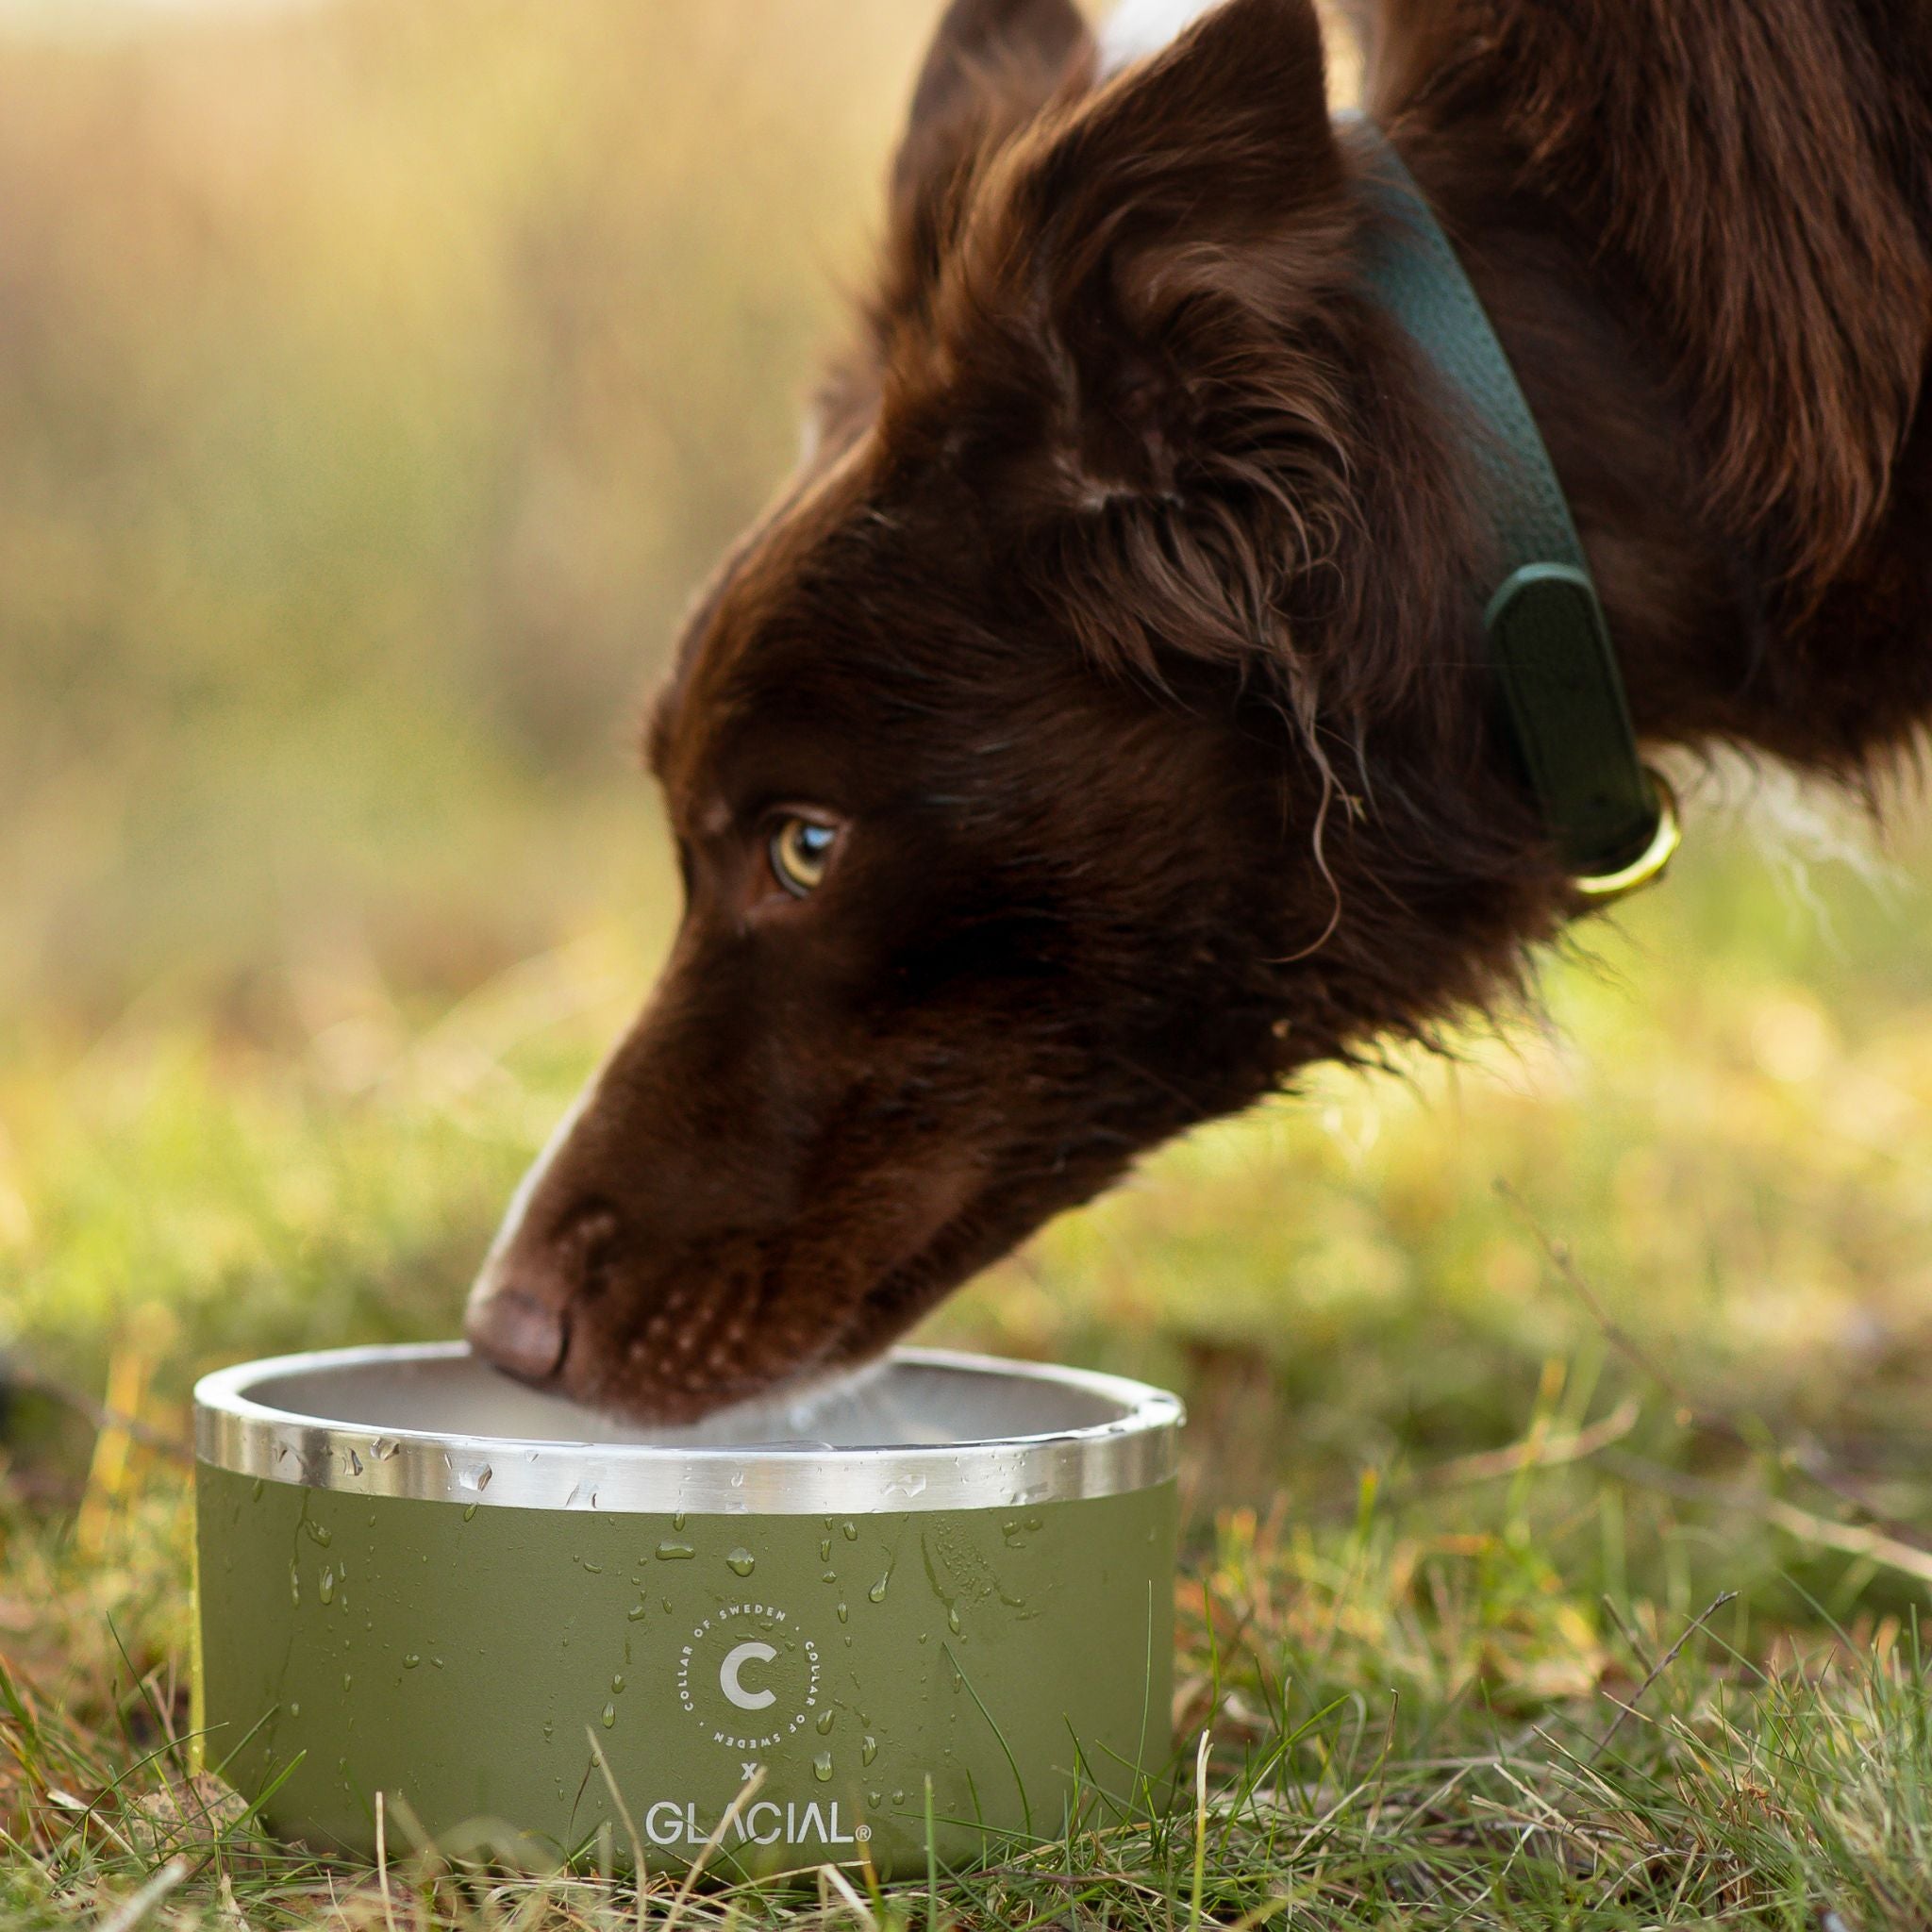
{"points": [[386, 373], [1558, 1435]]}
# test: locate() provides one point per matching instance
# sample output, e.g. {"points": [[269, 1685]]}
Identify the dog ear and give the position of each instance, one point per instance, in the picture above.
{"points": [[1140, 321], [992, 65], [1178, 223]]}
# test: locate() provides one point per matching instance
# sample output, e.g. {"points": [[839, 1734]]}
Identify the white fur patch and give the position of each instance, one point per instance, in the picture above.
{"points": [[485, 1282], [1136, 28], [1800, 827]]}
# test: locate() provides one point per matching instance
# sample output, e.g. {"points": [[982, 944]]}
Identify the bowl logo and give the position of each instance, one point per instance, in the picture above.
{"points": [[750, 1676]]}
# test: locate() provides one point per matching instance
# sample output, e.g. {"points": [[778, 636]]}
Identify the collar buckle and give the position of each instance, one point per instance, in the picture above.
{"points": [[1606, 888]]}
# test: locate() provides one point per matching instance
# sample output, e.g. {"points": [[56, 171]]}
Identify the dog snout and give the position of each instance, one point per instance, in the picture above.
{"points": [[523, 1330], [519, 1311]]}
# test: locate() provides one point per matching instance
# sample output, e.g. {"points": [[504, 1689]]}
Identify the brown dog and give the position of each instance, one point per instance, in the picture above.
{"points": [[1097, 729]]}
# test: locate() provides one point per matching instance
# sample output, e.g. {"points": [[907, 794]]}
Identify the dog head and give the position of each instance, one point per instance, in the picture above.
{"points": [[1011, 757]]}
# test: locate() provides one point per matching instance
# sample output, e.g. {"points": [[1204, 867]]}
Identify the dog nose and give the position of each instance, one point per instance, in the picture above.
{"points": [[521, 1333]]}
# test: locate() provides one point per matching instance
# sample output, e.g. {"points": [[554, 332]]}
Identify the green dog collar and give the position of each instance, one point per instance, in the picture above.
{"points": [[1614, 822]]}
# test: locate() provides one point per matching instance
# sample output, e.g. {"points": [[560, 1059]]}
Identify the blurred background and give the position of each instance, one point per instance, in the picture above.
{"points": [[376, 380]]}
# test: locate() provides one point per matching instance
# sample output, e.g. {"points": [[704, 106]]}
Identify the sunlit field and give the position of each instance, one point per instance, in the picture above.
{"points": [[379, 379]]}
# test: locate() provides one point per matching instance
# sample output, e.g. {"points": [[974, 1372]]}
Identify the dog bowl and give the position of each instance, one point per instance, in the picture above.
{"points": [[790, 1634]]}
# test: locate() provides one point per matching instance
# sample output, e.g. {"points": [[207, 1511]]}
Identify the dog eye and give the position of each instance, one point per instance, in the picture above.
{"points": [[801, 850]]}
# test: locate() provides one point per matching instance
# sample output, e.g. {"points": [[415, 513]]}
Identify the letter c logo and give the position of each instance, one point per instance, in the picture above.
{"points": [[735, 1660]]}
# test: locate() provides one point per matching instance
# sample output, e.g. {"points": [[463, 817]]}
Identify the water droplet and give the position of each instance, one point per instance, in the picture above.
{"points": [[355, 1463], [617, 1683], [851, 1532], [874, 1799], [868, 1750], [878, 1592], [609, 1715], [470, 1510], [295, 1584], [347, 1680], [825, 1549], [321, 1533], [294, 1710], [482, 1480], [828, 1576], [549, 1728], [953, 1618], [436, 1662], [822, 1767], [637, 1616], [260, 1483], [595, 1568], [843, 1613], [382, 1448], [738, 1478], [678, 1520], [328, 1592], [741, 1562], [411, 1660], [825, 1725], [675, 1552], [898, 1797], [666, 1602]]}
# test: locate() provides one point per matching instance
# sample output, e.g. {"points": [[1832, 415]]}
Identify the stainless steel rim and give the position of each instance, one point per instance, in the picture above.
{"points": [[1134, 1450]]}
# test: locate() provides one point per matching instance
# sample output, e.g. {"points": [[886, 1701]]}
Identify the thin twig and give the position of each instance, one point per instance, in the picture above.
{"points": [[831, 1877], [1564, 1263], [1535, 1451], [637, 1844], [1624, 1630], [1910, 1560], [1200, 1828], [1662, 1664], [133, 1910], [1808, 1461], [746, 1791], [388, 1910], [38, 1382]]}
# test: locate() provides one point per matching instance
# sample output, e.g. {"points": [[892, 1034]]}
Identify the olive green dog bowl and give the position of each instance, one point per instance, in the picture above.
{"points": [[788, 1633]]}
